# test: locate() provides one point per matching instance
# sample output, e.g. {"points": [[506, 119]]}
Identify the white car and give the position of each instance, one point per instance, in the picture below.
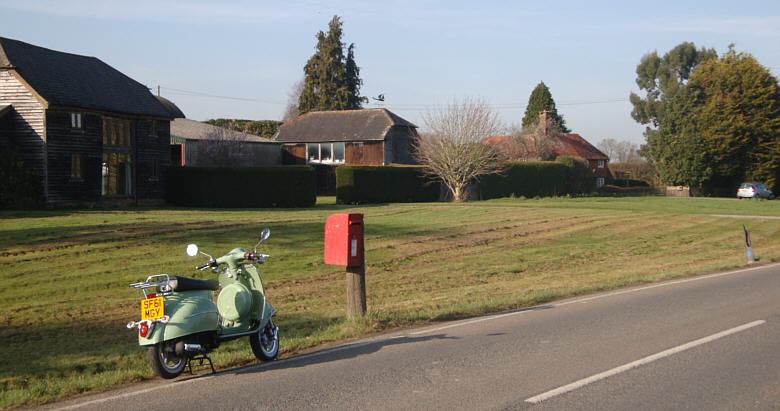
{"points": [[754, 190]]}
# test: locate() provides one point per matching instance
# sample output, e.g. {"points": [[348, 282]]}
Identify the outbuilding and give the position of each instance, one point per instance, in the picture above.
{"points": [[90, 132], [353, 137]]}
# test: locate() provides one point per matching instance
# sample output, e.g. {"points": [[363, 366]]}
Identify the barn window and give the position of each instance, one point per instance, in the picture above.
{"points": [[76, 172], [75, 120], [600, 182], [327, 153], [153, 128], [601, 164]]}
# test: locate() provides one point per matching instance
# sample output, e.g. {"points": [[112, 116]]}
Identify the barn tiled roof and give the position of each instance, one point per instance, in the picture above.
{"points": [[195, 130], [72, 80], [172, 108], [345, 125]]}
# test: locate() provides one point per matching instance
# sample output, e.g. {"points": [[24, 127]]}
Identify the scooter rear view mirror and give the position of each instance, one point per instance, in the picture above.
{"points": [[263, 236], [192, 250]]}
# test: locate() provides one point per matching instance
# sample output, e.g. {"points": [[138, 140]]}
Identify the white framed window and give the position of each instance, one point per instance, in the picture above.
{"points": [[326, 153], [599, 181], [75, 120], [601, 164]]}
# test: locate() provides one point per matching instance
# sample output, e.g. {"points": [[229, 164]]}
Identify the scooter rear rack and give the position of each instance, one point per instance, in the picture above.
{"points": [[200, 359]]}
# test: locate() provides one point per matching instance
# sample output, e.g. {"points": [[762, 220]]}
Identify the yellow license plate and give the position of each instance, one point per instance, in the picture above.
{"points": [[152, 308]]}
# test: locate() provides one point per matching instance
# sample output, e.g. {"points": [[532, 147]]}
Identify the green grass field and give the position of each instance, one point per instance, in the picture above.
{"points": [[64, 301]]}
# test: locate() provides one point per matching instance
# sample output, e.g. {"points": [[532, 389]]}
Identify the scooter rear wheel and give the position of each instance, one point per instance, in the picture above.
{"points": [[265, 343], [165, 362]]}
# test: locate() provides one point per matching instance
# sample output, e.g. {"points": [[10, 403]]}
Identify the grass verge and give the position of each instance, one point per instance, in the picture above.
{"points": [[65, 300]]}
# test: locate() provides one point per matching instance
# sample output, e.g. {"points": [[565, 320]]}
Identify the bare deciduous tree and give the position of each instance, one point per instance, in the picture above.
{"points": [[221, 147], [452, 150], [291, 112], [620, 151]]}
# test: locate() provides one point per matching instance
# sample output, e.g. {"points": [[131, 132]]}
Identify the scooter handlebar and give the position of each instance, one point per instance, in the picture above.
{"points": [[260, 258], [211, 263]]}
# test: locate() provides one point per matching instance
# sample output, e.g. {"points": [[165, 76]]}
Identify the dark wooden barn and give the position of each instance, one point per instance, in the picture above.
{"points": [[354, 137], [89, 131]]}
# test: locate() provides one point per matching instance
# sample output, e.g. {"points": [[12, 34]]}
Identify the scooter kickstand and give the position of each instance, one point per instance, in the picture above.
{"points": [[200, 359]]}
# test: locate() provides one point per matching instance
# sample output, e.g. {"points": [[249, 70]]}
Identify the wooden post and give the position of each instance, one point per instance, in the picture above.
{"points": [[356, 291]]}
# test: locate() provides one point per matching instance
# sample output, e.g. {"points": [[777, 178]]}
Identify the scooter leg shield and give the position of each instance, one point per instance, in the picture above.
{"points": [[189, 312]]}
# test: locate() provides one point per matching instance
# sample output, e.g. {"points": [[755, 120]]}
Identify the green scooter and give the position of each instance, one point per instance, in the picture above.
{"points": [[181, 323]]}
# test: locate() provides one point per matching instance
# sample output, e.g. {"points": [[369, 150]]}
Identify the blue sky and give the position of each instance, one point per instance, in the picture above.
{"points": [[419, 54]]}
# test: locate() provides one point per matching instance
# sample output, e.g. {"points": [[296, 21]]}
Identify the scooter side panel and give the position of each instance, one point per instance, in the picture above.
{"points": [[189, 312]]}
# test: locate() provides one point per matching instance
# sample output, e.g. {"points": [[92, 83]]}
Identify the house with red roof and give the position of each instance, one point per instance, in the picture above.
{"points": [[529, 146]]}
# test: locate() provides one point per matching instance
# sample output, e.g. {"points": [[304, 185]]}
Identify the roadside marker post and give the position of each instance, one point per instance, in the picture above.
{"points": [[750, 258]]}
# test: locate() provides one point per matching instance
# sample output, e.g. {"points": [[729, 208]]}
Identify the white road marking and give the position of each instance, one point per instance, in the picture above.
{"points": [[425, 331], [646, 360]]}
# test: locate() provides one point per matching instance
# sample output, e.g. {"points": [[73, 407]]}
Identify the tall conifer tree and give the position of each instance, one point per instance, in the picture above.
{"points": [[540, 100], [331, 79]]}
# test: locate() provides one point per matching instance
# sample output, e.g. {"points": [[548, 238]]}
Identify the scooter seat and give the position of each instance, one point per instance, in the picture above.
{"points": [[178, 283]]}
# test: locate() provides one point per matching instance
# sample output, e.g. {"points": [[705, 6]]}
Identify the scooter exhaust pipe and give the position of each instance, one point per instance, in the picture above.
{"points": [[183, 348], [193, 347]]}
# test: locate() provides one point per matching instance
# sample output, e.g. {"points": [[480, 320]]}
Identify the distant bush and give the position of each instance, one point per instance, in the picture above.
{"points": [[21, 186], [246, 187], [262, 128], [385, 184], [567, 176]]}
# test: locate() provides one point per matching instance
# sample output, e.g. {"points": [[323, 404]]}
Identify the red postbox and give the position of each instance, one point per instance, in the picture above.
{"points": [[344, 240]]}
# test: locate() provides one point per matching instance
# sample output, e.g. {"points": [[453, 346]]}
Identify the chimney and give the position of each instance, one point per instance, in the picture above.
{"points": [[544, 121]]}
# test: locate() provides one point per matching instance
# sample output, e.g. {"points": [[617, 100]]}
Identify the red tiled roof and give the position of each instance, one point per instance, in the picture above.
{"points": [[574, 145], [571, 144], [495, 140]]}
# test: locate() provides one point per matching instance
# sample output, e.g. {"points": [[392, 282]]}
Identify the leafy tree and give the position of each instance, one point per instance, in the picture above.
{"points": [[738, 116], [331, 79], [541, 99], [667, 109], [662, 78], [716, 121]]}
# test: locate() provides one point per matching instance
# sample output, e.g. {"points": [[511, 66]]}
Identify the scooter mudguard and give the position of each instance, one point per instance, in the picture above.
{"points": [[189, 312], [268, 312]]}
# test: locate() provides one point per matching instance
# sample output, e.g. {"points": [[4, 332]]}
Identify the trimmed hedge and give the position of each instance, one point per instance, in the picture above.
{"points": [[384, 184], [565, 176], [245, 187]]}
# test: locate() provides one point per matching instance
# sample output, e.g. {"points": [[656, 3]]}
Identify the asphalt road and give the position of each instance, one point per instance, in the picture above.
{"points": [[710, 342]]}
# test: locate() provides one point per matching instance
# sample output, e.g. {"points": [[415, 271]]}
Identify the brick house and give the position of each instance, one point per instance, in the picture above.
{"points": [[555, 145]]}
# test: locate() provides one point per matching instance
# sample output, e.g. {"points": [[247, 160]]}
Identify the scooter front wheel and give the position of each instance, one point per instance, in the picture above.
{"points": [[165, 362], [265, 343]]}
